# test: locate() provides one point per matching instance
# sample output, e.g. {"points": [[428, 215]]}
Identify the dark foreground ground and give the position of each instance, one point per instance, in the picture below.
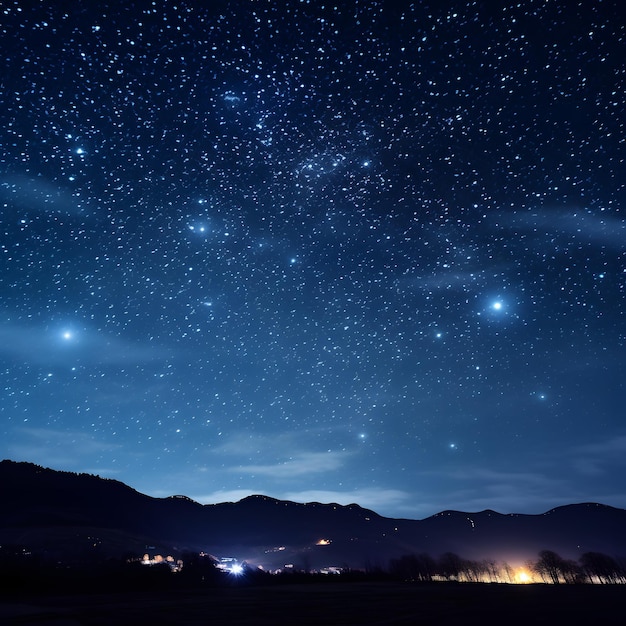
{"points": [[330, 603]]}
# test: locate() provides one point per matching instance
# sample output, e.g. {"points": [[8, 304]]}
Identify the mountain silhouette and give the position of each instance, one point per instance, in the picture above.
{"points": [[79, 516]]}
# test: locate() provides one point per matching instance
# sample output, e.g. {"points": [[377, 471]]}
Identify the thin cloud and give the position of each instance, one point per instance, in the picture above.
{"points": [[599, 229], [476, 489], [101, 471], [614, 447], [298, 465], [43, 346], [441, 281], [25, 193], [248, 444], [537, 489], [599, 458], [369, 498], [218, 497], [58, 449]]}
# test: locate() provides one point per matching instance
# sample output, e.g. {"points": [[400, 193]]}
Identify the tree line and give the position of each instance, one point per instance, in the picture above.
{"points": [[23, 571], [591, 567]]}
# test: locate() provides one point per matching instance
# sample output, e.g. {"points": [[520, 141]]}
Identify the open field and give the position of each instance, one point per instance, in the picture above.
{"points": [[329, 603]]}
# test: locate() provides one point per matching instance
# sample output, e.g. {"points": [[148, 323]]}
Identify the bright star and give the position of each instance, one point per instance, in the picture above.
{"points": [[198, 228]]}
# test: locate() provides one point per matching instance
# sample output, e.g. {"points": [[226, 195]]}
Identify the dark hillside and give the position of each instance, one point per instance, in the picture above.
{"points": [[43, 507]]}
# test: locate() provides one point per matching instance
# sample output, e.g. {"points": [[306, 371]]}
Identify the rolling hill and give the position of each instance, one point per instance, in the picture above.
{"points": [[81, 516]]}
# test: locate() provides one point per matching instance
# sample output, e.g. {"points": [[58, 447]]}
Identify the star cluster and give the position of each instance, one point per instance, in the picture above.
{"points": [[371, 251]]}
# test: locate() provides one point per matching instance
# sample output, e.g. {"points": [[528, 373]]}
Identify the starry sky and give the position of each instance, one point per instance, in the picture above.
{"points": [[366, 252]]}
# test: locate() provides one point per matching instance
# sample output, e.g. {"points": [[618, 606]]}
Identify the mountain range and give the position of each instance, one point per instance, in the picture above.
{"points": [[81, 516]]}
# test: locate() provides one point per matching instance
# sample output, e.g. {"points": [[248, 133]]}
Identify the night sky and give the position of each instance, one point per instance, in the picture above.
{"points": [[366, 252]]}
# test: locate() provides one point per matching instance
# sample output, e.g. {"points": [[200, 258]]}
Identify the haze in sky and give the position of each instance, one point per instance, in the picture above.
{"points": [[366, 252]]}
